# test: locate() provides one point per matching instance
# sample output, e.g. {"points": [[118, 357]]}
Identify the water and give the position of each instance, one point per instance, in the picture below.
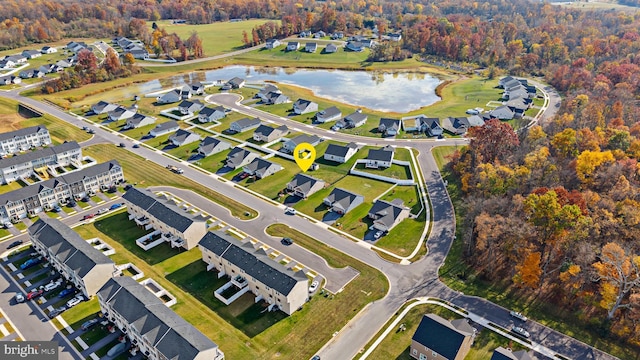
{"points": [[389, 92]]}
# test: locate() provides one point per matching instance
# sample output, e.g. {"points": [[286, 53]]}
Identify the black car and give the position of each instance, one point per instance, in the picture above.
{"points": [[127, 187], [286, 241], [14, 244], [72, 204], [135, 146], [55, 312], [122, 145]]}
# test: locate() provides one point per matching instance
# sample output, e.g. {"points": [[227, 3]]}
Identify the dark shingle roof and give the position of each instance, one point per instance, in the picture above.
{"points": [[90, 171], [260, 165], [303, 183], [501, 353], [339, 150], [304, 138], [342, 197], [246, 122], [210, 111], [39, 154], [382, 154], [329, 112], [21, 132], [387, 212], [169, 214], [390, 123], [237, 155], [166, 126], [356, 117], [439, 335]]}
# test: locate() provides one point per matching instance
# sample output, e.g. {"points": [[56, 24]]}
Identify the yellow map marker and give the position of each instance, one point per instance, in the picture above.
{"points": [[304, 154]]}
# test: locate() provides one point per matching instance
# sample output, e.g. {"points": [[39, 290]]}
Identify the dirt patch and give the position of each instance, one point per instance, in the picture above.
{"points": [[10, 122]]}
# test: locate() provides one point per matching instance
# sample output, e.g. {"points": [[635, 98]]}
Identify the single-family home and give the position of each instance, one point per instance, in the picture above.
{"points": [[17, 59], [501, 353], [208, 114], [456, 125], [265, 133], [342, 201], [272, 43], [502, 113], [139, 120], [48, 50], [330, 49], [310, 47], [10, 79], [72, 256], [340, 153], [302, 106], [7, 63], [64, 63], [122, 113], [31, 54], [475, 120], [31, 73], [138, 53], [291, 144], [234, 83], [266, 89], [275, 97], [261, 168], [386, 215], [175, 95], [356, 46], [103, 107], [505, 80], [156, 331], [389, 127], [293, 46], [239, 157], [47, 68], [380, 158], [319, 34], [395, 36], [439, 339], [355, 119], [304, 33], [188, 107], [196, 88], [337, 35], [164, 128], [328, 114], [183, 137], [211, 145], [431, 126], [251, 269], [244, 124], [179, 228], [304, 185]]}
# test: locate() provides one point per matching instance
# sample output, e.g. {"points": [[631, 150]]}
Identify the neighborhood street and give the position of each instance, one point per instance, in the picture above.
{"points": [[406, 281]]}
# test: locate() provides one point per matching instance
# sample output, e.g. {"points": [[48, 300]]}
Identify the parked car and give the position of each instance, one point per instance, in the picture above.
{"points": [[314, 286], [91, 131], [127, 187], [89, 323], [122, 145], [378, 234], [71, 204], [19, 297], [75, 301], [14, 244], [115, 206], [135, 146], [518, 316], [243, 175], [57, 209], [8, 225], [29, 263], [34, 294], [103, 211], [286, 241], [55, 312], [88, 216], [52, 285], [290, 211], [520, 331], [66, 292], [315, 357]]}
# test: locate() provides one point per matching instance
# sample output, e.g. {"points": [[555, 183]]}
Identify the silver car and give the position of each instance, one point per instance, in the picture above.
{"points": [[520, 331]]}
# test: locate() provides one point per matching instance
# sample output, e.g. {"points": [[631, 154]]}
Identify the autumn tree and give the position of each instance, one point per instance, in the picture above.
{"points": [[529, 272], [194, 44], [588, 161], [493, 141], [112, 62], [619, 275]]}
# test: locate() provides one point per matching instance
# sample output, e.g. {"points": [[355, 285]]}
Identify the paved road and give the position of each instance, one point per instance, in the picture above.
{"points": [[195, 61], [406, 282]]}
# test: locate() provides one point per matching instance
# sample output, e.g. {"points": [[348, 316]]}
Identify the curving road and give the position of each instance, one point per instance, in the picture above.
{"points": [[419, 279]]}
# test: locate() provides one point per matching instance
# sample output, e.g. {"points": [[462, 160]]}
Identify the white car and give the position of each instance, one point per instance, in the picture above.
{"points": [[52, 285], [289, 210], [103, 211], [314, 286], [75, 301], [520, 331], [518, 316]]}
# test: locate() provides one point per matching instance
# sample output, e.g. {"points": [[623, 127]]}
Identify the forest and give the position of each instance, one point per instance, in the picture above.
{"points": [[555, 209]]}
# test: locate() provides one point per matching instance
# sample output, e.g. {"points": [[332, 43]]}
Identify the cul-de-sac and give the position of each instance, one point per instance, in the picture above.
{"points": [[468, 185]]}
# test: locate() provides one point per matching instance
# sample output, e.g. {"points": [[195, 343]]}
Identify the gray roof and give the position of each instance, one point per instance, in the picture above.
{"points": [[22, 132], [356, 117], [311, 46], [293, 43], [209, 143], [181, 135], [39, 154], [302, 103], [502, 112], [237, 155], [236, 81], [343, 197], [331, 47], [339, 150], [259, 165], [168, 213], [387, 212], [256, 265], [382, 154], [304, 183], [210, 111], [501, 353], [90, 171], [67, 246], [121, 110], [266, 130], [439, 335], [390, 123], [329, 112], [170, 334], [430, 123], [304, 138], [194, 105], [167, 126], [274, 96], [246, 122], [138, 118]]}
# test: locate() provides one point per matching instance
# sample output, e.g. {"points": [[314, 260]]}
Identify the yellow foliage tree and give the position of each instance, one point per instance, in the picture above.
{"points": [[529, 271], [619, 275], [588, 161]]}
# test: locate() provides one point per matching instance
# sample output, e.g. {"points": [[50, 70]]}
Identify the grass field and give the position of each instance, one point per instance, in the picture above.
{"points": [[217, 38], [318, 59]]}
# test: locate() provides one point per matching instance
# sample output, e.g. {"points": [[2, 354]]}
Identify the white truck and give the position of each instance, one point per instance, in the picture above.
{"points": [[175, 169]]}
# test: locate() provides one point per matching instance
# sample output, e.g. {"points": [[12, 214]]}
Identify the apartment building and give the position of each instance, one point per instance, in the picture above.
{"points": [[23, 139], [24, 165]]}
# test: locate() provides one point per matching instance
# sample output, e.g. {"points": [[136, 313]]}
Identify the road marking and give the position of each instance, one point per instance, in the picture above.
{"points": [[389, 139], [361, 143], [4, 330], [331, 132], [309, 126], [82, 344]]}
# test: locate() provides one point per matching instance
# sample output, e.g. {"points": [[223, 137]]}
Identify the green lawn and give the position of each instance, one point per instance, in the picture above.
{"points": [[15, 185], [395, 171], [274, 184], [82, 312]]}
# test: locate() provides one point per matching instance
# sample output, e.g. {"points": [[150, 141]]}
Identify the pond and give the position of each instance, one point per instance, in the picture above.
{"points": [[384, 91]]}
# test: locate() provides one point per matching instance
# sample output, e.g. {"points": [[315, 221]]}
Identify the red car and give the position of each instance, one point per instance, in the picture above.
{"points": [[88, 216], [34, 294]]}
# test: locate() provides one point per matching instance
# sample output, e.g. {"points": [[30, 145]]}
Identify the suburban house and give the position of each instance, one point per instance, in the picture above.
{"points": [[389, 127], [172, 96], [16, 59], [72, 256], [7, 63], [340, 153], [330, 48], [45, 195], [139, 120], [395, 36], [48, 50], [302, 106], [24, 165], [355, 119], [243, 125], [187, 107], [154, 328], [293, 46], [386, 215], [64, 63], [23, 139], [440, 339], [431, 126], [261, 168], [356, 46], [310, 47], [10, 79], [31, 74], [337, 35], [328, 114], [31, 54], [342, 201], [177, 226], [239, 157], [196, 88], [457, 125], [275, 97], [122, 113], [267, 134], [319, 34], [208, 114], [501, 353], [304, 186], [211, 145], [253, 270], [291, 144], [266, 89], [234, 83], [164, 128], [380, 158], [272, 43], [502, 113], [183, 137]]}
